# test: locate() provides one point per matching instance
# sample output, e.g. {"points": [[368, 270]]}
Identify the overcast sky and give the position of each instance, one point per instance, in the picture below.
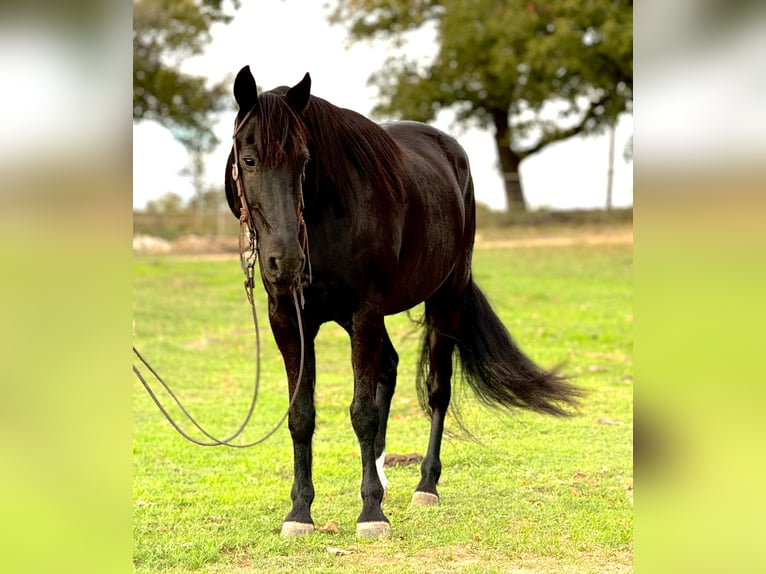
{"points": [[281, 41]]}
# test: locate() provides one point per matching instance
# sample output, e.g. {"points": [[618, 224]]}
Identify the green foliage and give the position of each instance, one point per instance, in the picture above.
{"points": [[510, 55], [538, 494], [170, 217], [169, 202], [506, 65], [166, 32]]}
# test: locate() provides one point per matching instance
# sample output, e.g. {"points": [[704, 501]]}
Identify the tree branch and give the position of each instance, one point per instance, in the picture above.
{"points": [[559, 135]]}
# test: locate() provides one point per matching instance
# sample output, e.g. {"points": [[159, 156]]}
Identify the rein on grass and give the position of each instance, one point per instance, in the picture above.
{"points": [[214, 441], [247, 259]]}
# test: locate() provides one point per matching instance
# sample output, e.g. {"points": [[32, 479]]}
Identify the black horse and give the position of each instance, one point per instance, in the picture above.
{"points": [[389, 220]]}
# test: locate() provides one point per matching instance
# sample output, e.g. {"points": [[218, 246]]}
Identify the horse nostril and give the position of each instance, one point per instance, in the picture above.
{"points": [[281, 267]]}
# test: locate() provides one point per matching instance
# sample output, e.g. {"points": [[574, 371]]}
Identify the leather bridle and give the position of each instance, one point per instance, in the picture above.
{"points": [[248, 256]]}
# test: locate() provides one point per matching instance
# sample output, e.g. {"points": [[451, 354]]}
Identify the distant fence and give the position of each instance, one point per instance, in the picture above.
{"points": [[173, 225], [211, 223]]}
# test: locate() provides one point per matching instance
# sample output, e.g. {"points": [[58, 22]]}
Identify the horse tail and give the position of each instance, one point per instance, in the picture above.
{"points": [[498, 371]]}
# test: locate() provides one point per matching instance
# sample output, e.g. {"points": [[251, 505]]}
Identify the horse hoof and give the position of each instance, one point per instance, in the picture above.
{"points": [[373, 529], [297, 528], [424, 498]]}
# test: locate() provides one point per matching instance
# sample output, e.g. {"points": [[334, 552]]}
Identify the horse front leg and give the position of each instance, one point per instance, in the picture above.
{"points": [[301, 421], [367, 342]]}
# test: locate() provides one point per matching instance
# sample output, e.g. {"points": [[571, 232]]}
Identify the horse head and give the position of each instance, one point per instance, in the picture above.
{"points": [[267, 165]]}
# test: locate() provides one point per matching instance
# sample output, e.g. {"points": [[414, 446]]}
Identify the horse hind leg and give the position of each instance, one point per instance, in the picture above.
{"points": [[435, 392]]}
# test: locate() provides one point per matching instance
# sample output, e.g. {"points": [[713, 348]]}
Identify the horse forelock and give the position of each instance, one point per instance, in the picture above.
{"points": [[278, 132]]}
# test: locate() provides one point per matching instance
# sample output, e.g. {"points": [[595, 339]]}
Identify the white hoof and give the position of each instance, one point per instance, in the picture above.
{"points": [[297, 528], [373, 529], [424, 498]]}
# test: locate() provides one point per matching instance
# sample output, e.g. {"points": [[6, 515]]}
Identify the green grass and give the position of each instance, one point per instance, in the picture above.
{"points": [[536, 494]]}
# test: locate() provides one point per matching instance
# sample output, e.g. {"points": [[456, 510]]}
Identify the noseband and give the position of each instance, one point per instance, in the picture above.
{"points": [[249, 256]]}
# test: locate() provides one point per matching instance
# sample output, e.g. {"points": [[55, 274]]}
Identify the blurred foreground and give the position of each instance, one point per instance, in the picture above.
{"points": [[66, 302]]}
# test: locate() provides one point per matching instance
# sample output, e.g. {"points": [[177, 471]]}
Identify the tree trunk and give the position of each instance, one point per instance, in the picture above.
{"points": [[610, 172], [509, 163]]}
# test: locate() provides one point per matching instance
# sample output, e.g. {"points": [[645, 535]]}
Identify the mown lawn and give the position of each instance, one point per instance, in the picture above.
{"points": [[528, 494]]}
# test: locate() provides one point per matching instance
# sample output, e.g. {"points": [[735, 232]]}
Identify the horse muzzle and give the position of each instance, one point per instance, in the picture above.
{"points": [[282, 269]]}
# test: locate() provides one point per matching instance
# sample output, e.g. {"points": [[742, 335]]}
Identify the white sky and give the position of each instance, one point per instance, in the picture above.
{"points": [[282, 40]]}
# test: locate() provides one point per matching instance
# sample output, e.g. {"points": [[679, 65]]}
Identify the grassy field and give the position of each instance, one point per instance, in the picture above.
{"points": [[529, 494]]}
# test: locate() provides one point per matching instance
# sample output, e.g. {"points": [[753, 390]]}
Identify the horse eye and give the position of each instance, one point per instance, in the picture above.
{"points": [[249, 162]]}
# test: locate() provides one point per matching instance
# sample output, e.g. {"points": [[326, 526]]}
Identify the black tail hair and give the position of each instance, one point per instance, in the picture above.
{"points": [[496, 369]]}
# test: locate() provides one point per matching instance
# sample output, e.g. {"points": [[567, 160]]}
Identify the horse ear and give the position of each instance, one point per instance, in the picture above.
{"points": [[245, 90], [298, 95]]}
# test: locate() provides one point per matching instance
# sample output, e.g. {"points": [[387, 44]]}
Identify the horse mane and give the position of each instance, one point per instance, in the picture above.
{"points": [[337, 137]]}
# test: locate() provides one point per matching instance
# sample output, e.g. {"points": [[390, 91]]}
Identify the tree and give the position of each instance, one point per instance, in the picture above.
{"points": [[165, 33], [508, 65], [168, 203]]}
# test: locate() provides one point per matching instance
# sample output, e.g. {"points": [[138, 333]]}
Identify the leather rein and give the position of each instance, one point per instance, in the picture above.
{"points": [[248, 256]]}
